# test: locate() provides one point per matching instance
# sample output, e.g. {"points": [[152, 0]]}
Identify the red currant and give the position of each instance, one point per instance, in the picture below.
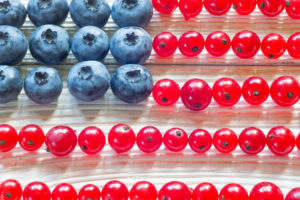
{"points": [[293, 8], [149, 139], [89, 192], [191, 43], [265, 191], [233, 191], [245, 44], [244, 7], [226, 92], [217, 7], [10, 190], [165, 6], [31, 137], [196, 94], [190, 8], [175, 191], [271, 8], [36, 191], [217, 43], [61, 140], [255, 90], [175, 139], [280, 140], [285, 91], [298, 142], [200, 141], [252, 140], [64, 191], [121, 138], [294, 194], [115, 190], [225, 140], [143, 190], [8, 138], [166, 92], [205, 191], [91, 140], [293, 45], [273, 46], [165, 44]]}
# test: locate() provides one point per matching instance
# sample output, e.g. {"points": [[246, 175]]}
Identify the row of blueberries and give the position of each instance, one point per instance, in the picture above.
{"points": [[62, 140]]}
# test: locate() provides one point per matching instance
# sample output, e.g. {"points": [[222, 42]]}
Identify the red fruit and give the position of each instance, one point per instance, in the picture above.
{"points": [[36, 191], [285, 91], [61, 140], [293, 8], [64, 191], [225, 140], [10, 190], [175, 191], [233, 192], [121, 138], [175, 139], [217, 7], [205, 191], [293, 45], [91, 140], [273, 45], [217, 43], [255, 90], [89, 192], [165, 6], [191, 43], [115, 190], [143, 190], [31, 137], [149, 139], [244, 7], [294, 194], [252, 140], [265, 191], [298, 142], [196, 94], [166, 92], [280, 140], [165, 44], [200, 141], [271, 8], [245, 44], [8, 138], [190, 8]]}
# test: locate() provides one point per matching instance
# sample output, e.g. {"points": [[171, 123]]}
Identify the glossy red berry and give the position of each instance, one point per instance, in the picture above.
{"points": [[89, 192], [280, 140], [294, 194], [165, 6], [252, 140], [271, 8], [91, 140], [143, 190], [255, 90], [149, 139], [205, 191], [31, 137], [244, 7], [190, 8], [61, 140], [200, 140], [64, 191], [293, 8], [217, 43], [293, 45], [265, 191], [36, 191], [273, 45], [166, 92], [121, 138], [8, 138], [285, 91], [175, 191], [225, 140], [10, 190], [165, 44], [226, 92], [233, 191], [175, 139], [191, 43], [196, 94], [115, 190], [245, 44], [298, 142], [217, 7]]}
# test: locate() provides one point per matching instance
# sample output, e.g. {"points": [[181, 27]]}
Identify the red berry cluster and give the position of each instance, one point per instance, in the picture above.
{"points": [[192, 8], [245, 44]]}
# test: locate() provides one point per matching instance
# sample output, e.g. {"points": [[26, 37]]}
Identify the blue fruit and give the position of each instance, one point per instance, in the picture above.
{"points": [[90, 12], [132, 12], [43, 12], [90, 43], [10, 83], [12, 12], [13, 45], [131, 45], [132, 83], [88, 81], [49, 44], [43, 85]]}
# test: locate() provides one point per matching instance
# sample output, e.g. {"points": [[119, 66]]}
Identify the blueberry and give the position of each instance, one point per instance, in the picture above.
{"points": [[12, 12], [90, 43], [88, 80], [132, 83], [43, 12], [90, 12], [10, 83], [131, 45], [43, 85], [132, 12], [49, 44], [13, 45]]}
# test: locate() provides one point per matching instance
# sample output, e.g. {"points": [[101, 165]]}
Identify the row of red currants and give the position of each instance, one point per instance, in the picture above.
{"points": [[143, 190], [192, 8], [245, 44], [62, 140]]}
